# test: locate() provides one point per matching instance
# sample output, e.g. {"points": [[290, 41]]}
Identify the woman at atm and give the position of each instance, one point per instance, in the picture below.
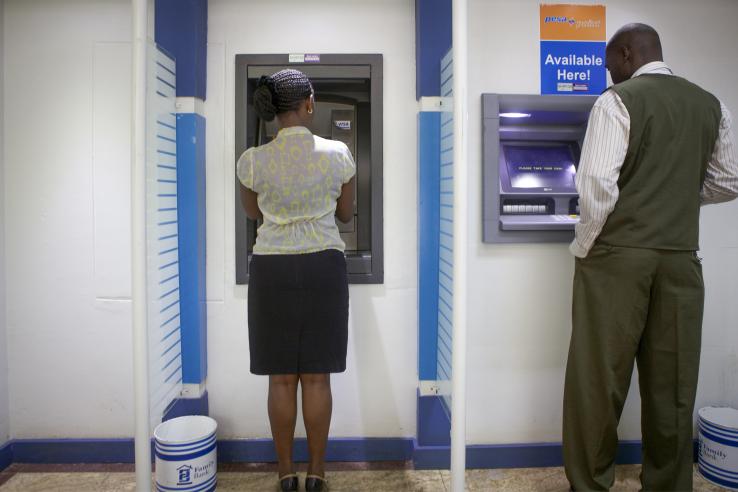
{"points": [[298, 288]]}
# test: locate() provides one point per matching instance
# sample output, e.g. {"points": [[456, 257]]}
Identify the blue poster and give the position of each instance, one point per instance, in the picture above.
{"points": [[573, 67]]}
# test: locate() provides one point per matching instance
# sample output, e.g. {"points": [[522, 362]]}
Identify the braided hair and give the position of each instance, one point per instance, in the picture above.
{"points": [[284, 91]]}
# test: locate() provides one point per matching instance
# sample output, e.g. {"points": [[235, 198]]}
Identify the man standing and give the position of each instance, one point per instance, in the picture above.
{"points": [[657, 148]]}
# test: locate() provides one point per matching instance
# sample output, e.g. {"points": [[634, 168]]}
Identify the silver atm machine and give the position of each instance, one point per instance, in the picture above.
{"points": [[348, 96], [531, 147]]}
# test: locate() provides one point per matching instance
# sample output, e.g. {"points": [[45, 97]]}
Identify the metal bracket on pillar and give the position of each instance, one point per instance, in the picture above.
{"points": [[436, 104]]}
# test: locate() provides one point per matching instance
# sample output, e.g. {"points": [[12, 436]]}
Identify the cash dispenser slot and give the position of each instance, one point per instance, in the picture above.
{"points": [[519, 206]]}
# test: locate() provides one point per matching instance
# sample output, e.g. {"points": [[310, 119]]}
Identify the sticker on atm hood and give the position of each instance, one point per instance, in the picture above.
{"points": [[304, 58], [343, 124]]}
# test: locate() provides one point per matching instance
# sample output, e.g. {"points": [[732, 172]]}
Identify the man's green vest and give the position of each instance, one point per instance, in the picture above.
{"points": [[674, 125]]}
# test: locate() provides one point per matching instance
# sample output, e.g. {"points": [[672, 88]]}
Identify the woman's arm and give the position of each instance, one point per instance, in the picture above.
{"points": [[345, 204], [250, 204]]}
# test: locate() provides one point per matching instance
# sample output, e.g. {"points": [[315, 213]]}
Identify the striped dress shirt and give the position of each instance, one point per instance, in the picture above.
{"points": [[603, 154]]}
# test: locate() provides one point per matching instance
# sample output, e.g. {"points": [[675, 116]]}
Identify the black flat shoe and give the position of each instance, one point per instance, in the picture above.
{"points": [[289, 483], [314, 483]]}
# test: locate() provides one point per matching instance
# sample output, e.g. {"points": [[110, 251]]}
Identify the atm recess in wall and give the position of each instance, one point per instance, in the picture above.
{"points": [[348, 96], [531, 152]]}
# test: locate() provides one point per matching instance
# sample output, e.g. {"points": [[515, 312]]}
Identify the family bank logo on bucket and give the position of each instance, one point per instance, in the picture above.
{"points": [[185, 473], [566, 22]]}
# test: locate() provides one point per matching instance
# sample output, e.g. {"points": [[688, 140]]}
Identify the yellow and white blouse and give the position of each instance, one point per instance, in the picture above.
{"points": [[298, 178]]}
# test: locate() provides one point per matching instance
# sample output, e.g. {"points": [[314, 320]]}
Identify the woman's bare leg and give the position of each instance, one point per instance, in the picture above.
{"points": [[282, 405], [317, 406]]}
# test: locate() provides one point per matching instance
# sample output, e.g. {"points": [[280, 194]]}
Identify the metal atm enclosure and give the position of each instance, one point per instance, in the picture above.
{"points": [[531, 146], [348, 95]]}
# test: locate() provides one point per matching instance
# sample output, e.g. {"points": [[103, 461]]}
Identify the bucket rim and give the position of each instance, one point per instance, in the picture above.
{"points": [[210, 425], [186, 448], [703, 414]]}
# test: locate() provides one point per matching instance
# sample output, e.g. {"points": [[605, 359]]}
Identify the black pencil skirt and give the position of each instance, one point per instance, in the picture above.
{"points": [[298, 313]]}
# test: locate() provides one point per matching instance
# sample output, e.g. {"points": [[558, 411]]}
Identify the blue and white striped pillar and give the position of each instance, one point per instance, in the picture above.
{"points": [[181, 30], [432, 41]]}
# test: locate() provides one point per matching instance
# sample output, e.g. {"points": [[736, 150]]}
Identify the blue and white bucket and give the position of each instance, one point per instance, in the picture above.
{"points": [[186, 458], [718, 446]]}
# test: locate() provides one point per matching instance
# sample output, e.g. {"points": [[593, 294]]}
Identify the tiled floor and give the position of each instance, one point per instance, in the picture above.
{"points": [[393, 478]]}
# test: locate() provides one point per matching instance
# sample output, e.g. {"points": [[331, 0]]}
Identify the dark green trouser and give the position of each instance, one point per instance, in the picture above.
{"points": [[633, 304]]}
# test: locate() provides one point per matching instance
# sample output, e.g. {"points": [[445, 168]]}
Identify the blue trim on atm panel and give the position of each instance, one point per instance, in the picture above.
{"points": [[182, 30], [191, 204], [429, 132]]}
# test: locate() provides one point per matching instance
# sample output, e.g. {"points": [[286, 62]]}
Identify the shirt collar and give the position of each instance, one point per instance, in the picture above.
{"points": [[294, 130], [657, 67]]}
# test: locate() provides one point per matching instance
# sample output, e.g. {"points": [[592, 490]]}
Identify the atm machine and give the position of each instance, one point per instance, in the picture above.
{"points": [[348, 96], [531, 148]]}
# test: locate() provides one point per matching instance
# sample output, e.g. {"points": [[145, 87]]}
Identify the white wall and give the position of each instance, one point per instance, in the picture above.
{"points": [[67, 80], [376, 395], [4, 409], [66, 180], [520, 296], [67, 94]]}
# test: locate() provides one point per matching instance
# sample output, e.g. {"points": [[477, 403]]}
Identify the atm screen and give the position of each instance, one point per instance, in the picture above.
{"points": [[550, 166]]}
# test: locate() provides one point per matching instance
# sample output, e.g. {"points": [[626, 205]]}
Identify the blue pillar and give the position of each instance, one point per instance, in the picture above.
{"points": [[429, 209], [191, 203], [181, 30], [432, 41]]}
